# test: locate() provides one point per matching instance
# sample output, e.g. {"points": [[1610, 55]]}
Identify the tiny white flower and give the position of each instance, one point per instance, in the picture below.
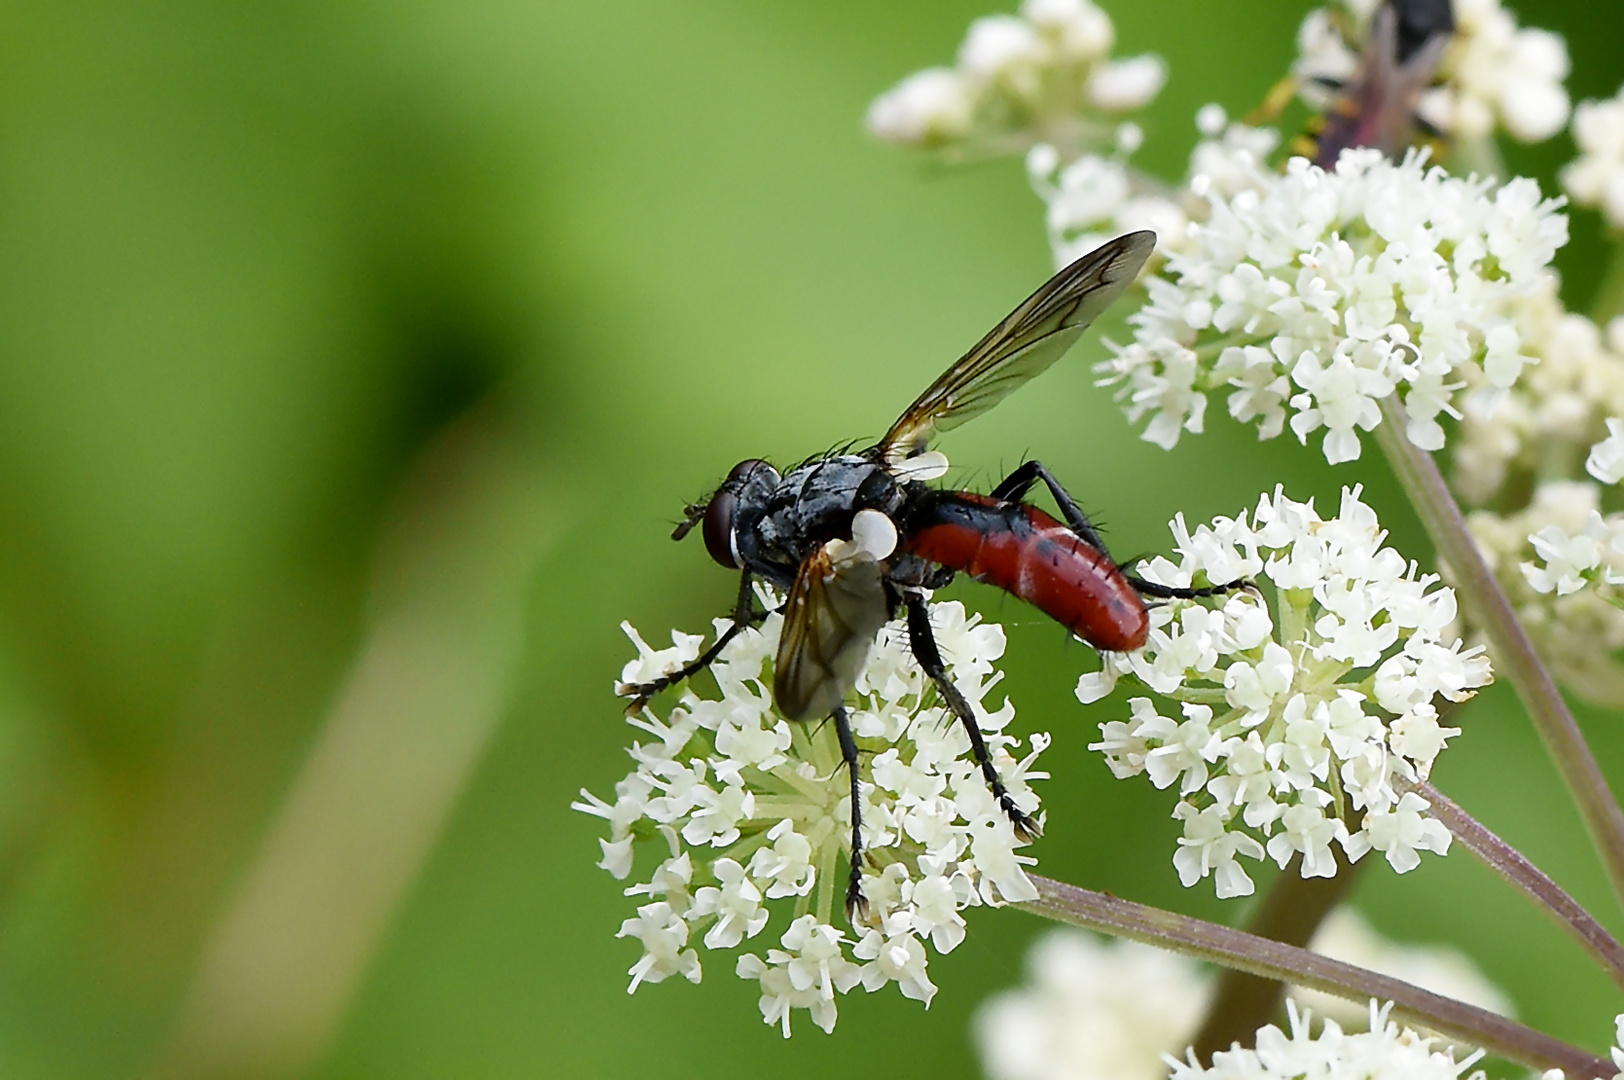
{"points": [[1606, 460], [1325, 1050]]}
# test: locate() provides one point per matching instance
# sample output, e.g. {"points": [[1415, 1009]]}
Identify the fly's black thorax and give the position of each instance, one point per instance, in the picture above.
{"points": [[811, 505]]}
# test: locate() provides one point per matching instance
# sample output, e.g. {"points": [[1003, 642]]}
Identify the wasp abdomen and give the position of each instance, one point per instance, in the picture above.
{"points": [[1029, 554]]}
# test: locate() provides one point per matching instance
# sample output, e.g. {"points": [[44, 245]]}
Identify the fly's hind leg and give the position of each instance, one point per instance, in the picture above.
{"points": [[1173, 592], [1014, 487], [923, 642], [1018, 483], [744, 614]]}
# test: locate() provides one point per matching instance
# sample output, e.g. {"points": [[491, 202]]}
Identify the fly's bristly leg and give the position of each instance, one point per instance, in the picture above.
{"points": [[856, 903], [923, 642], [1014, 487], [1171, 592], [744, 614]]}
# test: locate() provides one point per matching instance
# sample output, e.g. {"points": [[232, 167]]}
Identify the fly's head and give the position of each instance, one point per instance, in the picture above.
{"points": [[747, 485]]}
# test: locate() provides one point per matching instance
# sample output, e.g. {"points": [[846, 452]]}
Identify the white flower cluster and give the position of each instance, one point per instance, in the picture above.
{"points": [[1383, 1052], [1331, 290], [1043, 76], [1096, 1009], [1095, 198], [1596, 177], [1560, 562], [1291, 721], [1492, 74], [747, 809], [1093, 1009], [1544, 426]]}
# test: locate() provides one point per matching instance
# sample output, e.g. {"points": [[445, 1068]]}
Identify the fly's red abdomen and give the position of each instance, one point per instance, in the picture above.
{"points": [[1024, 551]]}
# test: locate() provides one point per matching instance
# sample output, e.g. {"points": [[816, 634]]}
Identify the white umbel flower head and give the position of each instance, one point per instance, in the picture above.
{"points": [[1288, 721], [1496, 74], [1596, 177], [749, 818], [1043, 76], [1384, 1050], [1560, 566], [1315, 299], [1092, 1009]]}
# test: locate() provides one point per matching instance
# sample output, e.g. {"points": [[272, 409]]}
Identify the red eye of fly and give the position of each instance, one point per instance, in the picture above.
{"points": [[718, 528]]}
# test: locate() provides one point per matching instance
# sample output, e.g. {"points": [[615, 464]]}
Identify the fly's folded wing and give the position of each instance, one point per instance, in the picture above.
{"points": [[834, 610]]}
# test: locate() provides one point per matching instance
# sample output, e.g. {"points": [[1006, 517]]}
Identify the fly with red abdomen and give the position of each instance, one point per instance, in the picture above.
{"points": [[854, 537]]}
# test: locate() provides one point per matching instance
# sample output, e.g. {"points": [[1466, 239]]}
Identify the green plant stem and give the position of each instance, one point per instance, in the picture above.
{"points": [[1274, 960], [1529, 879], [1609, 299], [1509, 647], [1290, 913]]}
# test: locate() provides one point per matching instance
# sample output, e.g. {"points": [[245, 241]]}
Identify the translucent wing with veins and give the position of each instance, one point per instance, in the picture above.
{"points": [[1033, 336]]}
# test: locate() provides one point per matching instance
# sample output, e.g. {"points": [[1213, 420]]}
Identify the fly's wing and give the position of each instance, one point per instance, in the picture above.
{"points": [[835, 608], [1030, 338]]}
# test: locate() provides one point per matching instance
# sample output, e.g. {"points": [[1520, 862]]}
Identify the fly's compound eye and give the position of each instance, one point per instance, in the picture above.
{"points": [[718, 528], [719, 515]]}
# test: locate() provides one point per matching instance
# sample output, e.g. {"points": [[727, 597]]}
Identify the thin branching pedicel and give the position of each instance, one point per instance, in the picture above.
{"points": [[750, 817], [1289, 721]]}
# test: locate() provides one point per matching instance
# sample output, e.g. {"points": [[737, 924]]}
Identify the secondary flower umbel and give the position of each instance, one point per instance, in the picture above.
{"points": [[751, 815], [1331, 290], [1295, 726], [1045, 75]]}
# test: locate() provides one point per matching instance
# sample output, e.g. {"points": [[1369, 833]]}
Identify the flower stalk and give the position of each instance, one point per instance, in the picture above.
{"points": [[1509, 646], [1514, 867], [1291, 912], [1274, 960]]}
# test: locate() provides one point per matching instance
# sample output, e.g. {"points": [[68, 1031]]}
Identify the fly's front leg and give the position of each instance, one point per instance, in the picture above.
{"points": [[856, 903], [744, 614], [1015, 486], [923, 641]]}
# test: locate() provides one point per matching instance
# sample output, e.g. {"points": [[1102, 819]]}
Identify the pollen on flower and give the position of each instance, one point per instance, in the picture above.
{"points": [[1293, 724], [745, 819], [1310, 300]]}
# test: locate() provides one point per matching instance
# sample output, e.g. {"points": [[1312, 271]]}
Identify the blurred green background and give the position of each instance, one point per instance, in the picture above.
{"points": [[356, 359]]}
